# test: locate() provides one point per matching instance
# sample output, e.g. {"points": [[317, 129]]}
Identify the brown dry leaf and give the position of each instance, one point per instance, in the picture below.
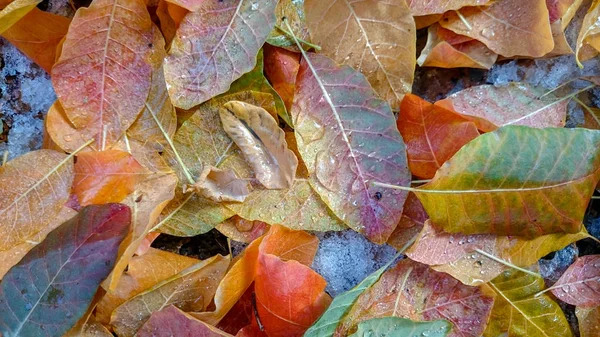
{"points": [[508, 27], [190, 290], [14, 11], [37, 36], [33, 189], [262, 142], [214, 46], [168, 26], [146, 203], [106, 176], [171, 321], [12, 256], [561, 45], [220, 185], [427, 20], [143, 272], [376, 37], [588, 41], [104, 92], [589, 321], [446, 49], [298, 207], [427, 7]]}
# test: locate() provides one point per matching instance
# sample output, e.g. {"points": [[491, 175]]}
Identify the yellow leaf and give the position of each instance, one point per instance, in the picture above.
{"points": [[14, 11]]}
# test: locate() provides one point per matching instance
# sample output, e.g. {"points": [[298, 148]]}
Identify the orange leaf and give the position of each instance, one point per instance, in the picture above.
{"points": [[102, 77], [432, 134], [14, 11], [281, 68], [37, 35], [509, 27], [240, 229], [412, 221], [106, 176], [443, 50]]}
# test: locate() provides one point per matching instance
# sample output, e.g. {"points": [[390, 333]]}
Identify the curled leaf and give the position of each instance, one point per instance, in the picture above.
{"points": [[347, 138], [220, 185], [262, 142], [588, 41], [214, 46], [351, 32], [53, 285], [33, 189]]}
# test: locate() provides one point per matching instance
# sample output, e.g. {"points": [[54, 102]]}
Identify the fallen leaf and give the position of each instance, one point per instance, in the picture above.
{"points": [[103, 93], [143, 272], [281, 69], [561, 45], [61, 131], [445, 49], [14, 11], [298, 207], [242, 230], [508, 27], [432, 134], [491, 107], [51, 287], [428, 7], [171, 321], [563, 10], [494, 173], [37, 34], [11, 257], [426, 20], [293, 12], [588, 41], [377, 37], [168, 26], [255, 80], [410, 224], [396, 326], [33, 189], [415, 291], [214, 46], [517, 311], [347, 138], [589, 321], [105, 176], [146, 202], [262, 142], [190, 290], [241, 314], [220, 185], [579, 285]]}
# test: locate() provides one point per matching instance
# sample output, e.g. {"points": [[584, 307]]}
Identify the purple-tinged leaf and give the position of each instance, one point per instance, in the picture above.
{"points": [[580, 284]]}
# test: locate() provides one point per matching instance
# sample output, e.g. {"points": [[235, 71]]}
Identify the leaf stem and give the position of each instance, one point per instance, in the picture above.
{"points": [[401, 289], [290, 34], [464, 20], [424, 181], [506, 263], [186, 172], [4, 158]]}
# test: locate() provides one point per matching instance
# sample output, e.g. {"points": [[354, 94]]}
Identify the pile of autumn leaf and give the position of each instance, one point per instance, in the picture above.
{"points": [[179, 116]]}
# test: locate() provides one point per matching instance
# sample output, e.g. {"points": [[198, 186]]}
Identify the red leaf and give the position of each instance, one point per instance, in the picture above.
{"points": [[432, 134], [174, 322], [281, 68], [580, 284]]}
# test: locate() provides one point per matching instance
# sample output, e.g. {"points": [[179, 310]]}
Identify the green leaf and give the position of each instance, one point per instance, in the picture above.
{"points": [[50, 289], [255, 80], [516, 180], [396, 326]]}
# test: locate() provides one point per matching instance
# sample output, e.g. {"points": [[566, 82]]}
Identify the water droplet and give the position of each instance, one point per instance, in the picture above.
{"points": [[28, 306], [488, 33], [254, 6]]}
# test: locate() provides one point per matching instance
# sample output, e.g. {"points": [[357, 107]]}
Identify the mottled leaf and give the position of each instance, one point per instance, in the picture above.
{"points": [[588, 41], [52, 286], [396, 326], [14, 11], [347, 138], [214, 46], [428, 7], [33, 189], [262, 142], [516, 181], [508, 27], [413, 290], [171, 321], [102, 78], [298, 207], [491, 107], [589, 321], [517, 312], [377, 37], [432, 134], [220, 185], [446, 49], [106, 176], [580, 284], [37, 36], [190, 290]]}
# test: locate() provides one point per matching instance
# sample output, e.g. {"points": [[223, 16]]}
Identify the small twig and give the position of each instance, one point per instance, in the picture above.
{"points": [[424, 181], [506, 263], [464, 20], [289, 34], [5, 158]]}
